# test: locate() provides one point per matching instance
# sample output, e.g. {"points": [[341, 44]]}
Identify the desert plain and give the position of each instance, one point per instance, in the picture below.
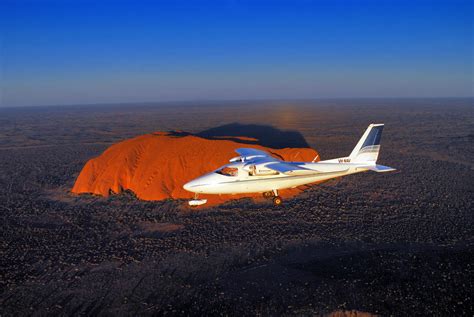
{"points": [[398, 243]]}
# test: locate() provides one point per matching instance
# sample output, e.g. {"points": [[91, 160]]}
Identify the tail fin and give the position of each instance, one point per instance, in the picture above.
{"points": [[367, 149]]}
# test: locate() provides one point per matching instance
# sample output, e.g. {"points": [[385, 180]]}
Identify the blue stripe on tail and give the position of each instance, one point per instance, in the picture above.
{"points": [[374, 137]]}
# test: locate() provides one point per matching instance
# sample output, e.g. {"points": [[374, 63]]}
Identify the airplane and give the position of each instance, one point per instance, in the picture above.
{"points": [[256, 171]]}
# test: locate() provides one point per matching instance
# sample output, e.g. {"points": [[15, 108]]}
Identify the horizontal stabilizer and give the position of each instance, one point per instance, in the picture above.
{"points": [[380, 168], [289, 169]]}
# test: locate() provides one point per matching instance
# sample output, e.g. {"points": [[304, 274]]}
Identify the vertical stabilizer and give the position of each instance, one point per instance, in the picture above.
{"points": [[367, 149]]}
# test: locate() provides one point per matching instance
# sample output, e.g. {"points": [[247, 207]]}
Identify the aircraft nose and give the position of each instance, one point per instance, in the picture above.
{"points": [[189, 185], [200, 184]]}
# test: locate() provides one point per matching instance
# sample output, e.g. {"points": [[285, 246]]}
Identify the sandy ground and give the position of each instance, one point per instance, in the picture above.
{"points": [[387, 244]]}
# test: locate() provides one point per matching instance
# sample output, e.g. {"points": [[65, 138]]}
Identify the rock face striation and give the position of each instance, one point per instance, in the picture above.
{"points": [[155, 166]]}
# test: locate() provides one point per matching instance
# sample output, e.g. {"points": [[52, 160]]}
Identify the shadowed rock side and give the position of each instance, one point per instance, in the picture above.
{"points": [[155, 166]]}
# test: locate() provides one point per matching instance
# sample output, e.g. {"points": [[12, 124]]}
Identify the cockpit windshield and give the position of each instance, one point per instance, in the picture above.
{"points": [[228, 171]]}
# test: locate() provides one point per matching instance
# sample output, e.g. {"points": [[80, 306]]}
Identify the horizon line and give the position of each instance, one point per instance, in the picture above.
{"points": [[195, 101]]}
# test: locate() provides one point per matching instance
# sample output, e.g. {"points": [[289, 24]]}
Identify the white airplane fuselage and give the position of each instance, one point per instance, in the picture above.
{"points": [[244, 182]]}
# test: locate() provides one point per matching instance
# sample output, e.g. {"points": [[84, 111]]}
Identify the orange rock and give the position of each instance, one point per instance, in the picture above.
{"points": [[155, 166]]}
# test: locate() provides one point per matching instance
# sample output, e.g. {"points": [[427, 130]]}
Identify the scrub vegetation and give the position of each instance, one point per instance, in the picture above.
{"points": [[390, 244]]}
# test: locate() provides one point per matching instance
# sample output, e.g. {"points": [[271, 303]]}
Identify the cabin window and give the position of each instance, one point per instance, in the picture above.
{"points": [[254, 171], [228, 171]]}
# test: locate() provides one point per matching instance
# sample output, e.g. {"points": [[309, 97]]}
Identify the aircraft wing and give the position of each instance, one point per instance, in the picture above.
{"points": [[247, 152], [294, 169], [289, 169]]}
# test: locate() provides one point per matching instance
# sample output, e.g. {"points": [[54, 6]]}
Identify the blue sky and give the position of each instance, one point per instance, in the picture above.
{"points": [[74, 52]]}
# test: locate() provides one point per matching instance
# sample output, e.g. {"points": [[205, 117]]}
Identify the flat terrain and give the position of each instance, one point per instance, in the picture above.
{"points": [[389, 244]]}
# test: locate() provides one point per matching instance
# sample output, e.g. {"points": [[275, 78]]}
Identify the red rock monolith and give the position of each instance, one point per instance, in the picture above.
{"points": [[155, 166]]}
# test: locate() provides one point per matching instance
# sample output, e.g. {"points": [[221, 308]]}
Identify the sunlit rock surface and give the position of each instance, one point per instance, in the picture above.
{"points": [[155, 166]]}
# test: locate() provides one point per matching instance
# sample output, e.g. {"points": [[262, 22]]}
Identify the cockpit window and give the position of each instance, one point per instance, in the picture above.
{"points": [[228, 171]]}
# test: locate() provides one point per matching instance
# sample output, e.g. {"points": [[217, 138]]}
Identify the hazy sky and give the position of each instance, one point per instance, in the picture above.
{"points": [[70, 52]]}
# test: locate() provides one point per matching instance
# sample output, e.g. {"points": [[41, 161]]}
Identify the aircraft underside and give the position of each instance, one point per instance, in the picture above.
{"points": [[261, 184]]}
